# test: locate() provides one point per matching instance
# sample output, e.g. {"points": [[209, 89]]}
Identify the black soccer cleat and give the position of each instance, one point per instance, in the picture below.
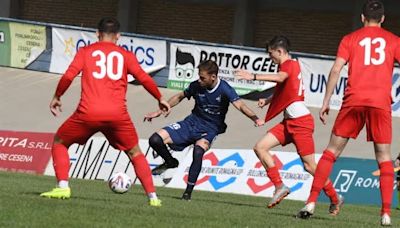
{"points": [[163, 167], [187, 196]]}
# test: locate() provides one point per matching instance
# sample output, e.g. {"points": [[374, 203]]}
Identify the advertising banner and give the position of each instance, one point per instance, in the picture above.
{"points": [[98, 160], [25, 151], [240, 171], [185, 58], [315, 74], [353, 179], [150, 53], [20, 43]]}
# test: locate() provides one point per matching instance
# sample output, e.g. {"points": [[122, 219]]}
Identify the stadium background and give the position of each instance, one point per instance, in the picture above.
{"points": [[313, 26]]}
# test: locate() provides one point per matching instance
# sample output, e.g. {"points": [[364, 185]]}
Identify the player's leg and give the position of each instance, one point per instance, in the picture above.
{"points": [[143, 172], [398, 190], [200, 147], [73, 130], [274, 137], [379, 130], [158, 142], [122, 135]]}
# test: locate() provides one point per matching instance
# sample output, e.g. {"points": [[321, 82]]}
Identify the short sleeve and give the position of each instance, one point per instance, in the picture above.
{"points": [[344, 50], [190, 91], [230, 92]]}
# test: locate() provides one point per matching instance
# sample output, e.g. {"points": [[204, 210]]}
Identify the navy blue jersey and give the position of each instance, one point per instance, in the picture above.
{"points": [[212, 105]]}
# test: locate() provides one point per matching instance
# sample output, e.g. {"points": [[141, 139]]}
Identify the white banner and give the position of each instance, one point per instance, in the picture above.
{"points": [[240, 171], [185, 58], [396, 92], [315, 74], [97, 160], [151, 54]]}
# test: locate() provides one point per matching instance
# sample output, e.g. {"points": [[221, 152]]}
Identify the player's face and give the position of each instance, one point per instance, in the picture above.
{"points": [[275, 55], [205, 79]]}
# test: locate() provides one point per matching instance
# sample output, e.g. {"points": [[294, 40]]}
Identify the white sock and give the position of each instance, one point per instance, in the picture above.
{"points": [[63, 184], [152, 195]]}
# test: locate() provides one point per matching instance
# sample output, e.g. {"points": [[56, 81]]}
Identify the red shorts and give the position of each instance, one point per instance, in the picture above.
{"points": [[299, 131], [120, 134], [351, 120]]}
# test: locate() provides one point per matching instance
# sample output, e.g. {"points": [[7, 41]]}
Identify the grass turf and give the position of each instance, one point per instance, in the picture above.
{"points": [[94, 205]]}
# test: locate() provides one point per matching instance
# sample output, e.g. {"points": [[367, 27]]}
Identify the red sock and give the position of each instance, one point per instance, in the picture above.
{"points": [[322, 173], [331, 192], [60, 161], [143, 172], [386, 181], [274, 176]]}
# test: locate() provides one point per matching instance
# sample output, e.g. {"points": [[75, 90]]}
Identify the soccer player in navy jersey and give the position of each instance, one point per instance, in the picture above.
{"points": [[207, 120]]}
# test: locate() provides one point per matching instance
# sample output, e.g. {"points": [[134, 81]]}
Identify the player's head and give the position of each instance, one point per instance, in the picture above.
{"points": [[278, 48], [108, 29], [208, 73], [373, 11]]}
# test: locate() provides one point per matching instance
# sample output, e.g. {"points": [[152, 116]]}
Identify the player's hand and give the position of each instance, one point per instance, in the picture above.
{"points": [[164, 107], [242, 74], [259, 123], [55, 106], [262, 102], [323, 112], [149, 116]]}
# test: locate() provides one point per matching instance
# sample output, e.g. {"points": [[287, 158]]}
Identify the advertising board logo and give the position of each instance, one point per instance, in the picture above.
{"points": [[216, 171], [2, 37], [299, 177], [344, 180]]}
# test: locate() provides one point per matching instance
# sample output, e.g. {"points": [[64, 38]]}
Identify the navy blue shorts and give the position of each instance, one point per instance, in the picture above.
{"points": [[186, 132]]}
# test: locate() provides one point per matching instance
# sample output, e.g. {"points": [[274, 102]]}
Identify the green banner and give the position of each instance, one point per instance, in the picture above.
{"points": [[181, 85], [5, 44]]}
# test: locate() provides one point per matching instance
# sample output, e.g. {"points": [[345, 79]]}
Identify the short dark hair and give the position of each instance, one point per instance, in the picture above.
{"points": [[279, 42], [373, 10], [209, 66], [108, 25]]}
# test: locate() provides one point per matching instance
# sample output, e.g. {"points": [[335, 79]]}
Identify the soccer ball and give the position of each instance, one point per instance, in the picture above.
{"points": [[120, 182]]}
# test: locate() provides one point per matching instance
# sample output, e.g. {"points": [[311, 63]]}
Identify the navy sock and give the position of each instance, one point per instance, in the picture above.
{"points": [[157, 143], [195, 167]]}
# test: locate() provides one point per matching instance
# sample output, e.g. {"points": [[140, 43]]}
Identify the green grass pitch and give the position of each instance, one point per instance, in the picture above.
{"points": [[94, 205]]}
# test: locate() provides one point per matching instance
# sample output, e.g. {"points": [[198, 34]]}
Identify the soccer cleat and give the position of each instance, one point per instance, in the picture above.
{"points": [[279, 194], [155, 202], [307, 211], [163, 167], [385, 220], [58, 193], [334, 209], [187, 196]]}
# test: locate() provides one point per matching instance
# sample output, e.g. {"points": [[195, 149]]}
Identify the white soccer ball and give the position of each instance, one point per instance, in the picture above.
{"points": [[120, 182]]}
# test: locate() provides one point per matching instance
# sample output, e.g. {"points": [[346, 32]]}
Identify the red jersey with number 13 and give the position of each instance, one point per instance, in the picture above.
{"points": [[288, 91], [371, 52], [104, 67]]}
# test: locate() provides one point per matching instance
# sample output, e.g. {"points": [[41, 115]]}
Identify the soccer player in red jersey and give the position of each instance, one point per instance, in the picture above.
{"points": [[102, 107], [371, 52], [297, 126]]}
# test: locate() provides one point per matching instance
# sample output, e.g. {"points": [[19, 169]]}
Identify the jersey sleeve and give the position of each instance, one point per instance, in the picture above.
{"points": [[73, 70], [344, 50], [190, 90], [138, 73], [230, 93]]}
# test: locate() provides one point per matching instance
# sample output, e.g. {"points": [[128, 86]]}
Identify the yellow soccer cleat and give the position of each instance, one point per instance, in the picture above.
{"points": [[155, 202], [58, 193]]}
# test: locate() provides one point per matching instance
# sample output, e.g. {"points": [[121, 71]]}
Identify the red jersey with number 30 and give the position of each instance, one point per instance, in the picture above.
{"points": [[104, 67], [371, 53], [288, 91]]}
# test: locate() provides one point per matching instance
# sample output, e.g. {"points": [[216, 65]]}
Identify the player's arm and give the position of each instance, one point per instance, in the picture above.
{"points": [[262, 102], [73, 70], [278, 77], [334, 75], [173, 101], [242, 107], [147, 82]]}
